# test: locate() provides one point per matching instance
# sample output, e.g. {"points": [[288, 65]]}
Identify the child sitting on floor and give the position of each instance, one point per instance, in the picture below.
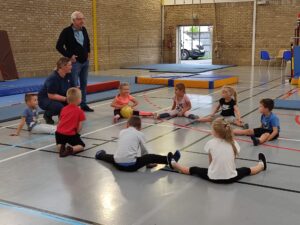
{"points": [[69, 125], [30, 117], [124, 99], [181, 105], [132, 153], [270, 127], [222, 151], [229, 109]]}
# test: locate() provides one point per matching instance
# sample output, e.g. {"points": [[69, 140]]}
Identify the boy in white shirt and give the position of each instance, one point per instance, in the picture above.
{"points": [[132, 152]]}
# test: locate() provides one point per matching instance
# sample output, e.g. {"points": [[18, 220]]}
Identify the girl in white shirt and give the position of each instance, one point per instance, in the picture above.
{"points": [[222, 151]]}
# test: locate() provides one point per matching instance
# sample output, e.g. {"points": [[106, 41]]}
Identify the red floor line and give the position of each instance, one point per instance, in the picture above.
{"points": [[238, 139], [297, 118]]}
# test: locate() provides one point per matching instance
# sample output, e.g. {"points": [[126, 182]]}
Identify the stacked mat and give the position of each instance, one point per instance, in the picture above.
{"points": [[190, 80]]}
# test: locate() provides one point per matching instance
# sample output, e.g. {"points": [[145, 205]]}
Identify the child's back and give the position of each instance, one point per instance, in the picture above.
{"points": [[222, 165], [131, 145]]}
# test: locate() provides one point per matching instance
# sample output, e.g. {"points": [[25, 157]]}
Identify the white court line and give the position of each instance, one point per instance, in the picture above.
{"points": [[41, 148], [288, 139], [93, 106], [83, 135], [184, 127]]}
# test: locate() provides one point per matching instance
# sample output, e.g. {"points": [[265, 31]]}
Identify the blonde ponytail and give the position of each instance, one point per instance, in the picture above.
{"points": [[224, 131]]}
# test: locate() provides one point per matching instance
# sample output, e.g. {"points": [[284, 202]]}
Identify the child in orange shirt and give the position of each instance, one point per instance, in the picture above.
{"points": [[124, 99]]}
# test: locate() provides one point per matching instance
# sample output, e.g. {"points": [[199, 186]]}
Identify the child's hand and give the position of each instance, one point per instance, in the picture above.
{"points": [[180, 114], [14, 134]]}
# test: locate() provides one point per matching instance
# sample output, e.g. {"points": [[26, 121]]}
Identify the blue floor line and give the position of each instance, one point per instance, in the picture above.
{"points": [[41, 214]]}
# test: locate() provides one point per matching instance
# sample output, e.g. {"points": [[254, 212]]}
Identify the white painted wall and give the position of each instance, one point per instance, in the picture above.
{"points": [[184, 2]]}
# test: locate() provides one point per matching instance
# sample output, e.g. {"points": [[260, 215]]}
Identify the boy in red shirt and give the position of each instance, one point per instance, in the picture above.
{"points": [[70, 124]]}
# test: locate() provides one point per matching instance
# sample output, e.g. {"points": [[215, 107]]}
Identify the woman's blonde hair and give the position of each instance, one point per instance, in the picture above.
{"points": [[224, 131], [232, 92], [63, 61], [73, 94]]}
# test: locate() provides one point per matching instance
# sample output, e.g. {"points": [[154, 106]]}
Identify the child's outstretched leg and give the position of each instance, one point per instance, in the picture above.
{"points": [[241, 124], [262, 139], [261, 165], [144, 113], [191, 116], [117, 115], [101, 155], [149, 159], [180, 168], [172, 113], [205, 119], [43, 129], [248, 132]]}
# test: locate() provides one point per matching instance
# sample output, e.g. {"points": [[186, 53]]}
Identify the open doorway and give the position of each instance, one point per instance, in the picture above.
{"points": [[194, 44]]}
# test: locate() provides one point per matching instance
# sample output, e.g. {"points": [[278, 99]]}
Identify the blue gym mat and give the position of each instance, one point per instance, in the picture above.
{"points": [[178, 68], [287, 104], [12, 106]]}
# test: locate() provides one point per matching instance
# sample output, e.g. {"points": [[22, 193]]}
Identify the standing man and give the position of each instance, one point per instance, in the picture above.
{"points": [[74, 43]]}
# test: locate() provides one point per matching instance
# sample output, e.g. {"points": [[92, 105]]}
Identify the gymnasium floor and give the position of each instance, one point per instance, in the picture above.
{"points": [[39, 188]]}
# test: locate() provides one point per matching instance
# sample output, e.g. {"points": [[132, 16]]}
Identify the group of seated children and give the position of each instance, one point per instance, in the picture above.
{"points": [[132, 153]]}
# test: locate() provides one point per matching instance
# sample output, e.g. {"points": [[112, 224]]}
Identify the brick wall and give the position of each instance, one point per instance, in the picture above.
{"points": [[275, 25], [129, 32], [33, 27], [233, 28], [232, 24]]}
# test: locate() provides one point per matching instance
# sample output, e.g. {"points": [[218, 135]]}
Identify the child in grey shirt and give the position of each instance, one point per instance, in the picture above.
{"points": [[132, 153]]}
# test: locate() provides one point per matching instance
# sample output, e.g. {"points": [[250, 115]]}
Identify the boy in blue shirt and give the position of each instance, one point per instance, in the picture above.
{"points": [[30, 118], [270, 126]]}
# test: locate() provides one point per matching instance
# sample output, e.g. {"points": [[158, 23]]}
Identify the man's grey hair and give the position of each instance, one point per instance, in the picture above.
{"points": [[74, 15]]}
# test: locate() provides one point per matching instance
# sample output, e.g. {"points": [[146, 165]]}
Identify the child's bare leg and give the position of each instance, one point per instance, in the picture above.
{"points": [[248, 132], [257, 169], [77, 148], [205, 119], [180, 168], [264, 138]]}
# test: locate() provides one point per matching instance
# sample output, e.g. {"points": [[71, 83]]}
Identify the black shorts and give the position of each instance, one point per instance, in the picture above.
{"points": [[73, 140], [260, 131], [202, 172]]}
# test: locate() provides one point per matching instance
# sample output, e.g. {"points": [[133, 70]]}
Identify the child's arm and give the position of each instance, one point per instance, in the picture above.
{"points": [[57, 97], [79, 127], [237, 113], [217, 107], [209, 158], [115, 105], [135, 102], [187, 107], [21, 125], [174, 105], [273, 134]]}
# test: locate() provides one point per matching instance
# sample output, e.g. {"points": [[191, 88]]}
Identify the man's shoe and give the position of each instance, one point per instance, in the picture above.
{"points": [[86, 108], [48, 119]]}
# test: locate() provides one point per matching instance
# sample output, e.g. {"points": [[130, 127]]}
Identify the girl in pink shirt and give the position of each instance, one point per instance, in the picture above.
{"points": [[125, 99], [181, 104]]}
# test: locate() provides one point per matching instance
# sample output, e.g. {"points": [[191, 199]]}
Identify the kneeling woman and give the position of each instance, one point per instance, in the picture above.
{"points": [[52, 96], [222, 151]]}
